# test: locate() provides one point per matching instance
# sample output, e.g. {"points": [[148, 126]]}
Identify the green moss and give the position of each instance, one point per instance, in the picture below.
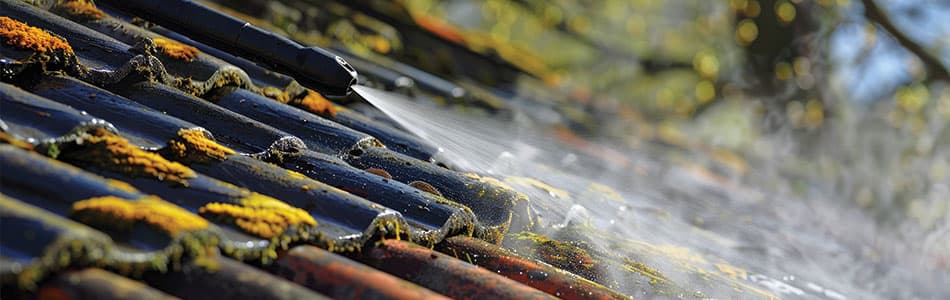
{"points": [[572, 256], [656, 278]]}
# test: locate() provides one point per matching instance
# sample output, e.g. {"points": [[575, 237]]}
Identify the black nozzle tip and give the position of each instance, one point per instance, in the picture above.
{"points": [[352, 73], [325, 72]]}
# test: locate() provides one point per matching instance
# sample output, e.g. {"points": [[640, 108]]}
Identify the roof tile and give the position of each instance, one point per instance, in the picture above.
{"points": [[250, 172]]}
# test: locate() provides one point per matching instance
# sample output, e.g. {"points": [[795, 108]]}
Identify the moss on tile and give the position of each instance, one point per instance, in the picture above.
{"points": [[18, 34], [656, 278], [124, 213], [82, 9], [260, 215], [195, 146], [105, 150], [569, 255], [175, 49], [314, 102], [121, 186]]}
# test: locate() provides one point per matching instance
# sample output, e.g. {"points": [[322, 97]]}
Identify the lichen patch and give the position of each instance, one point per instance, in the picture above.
{"points": [[276, 94], [194, 146], [121, 186], [124, 213], [82, 9], [108, 151], [18, 34], [260, 215], [315, 103], [175, 49]]}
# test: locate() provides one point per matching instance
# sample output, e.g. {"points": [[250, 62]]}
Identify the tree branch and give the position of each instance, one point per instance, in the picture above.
{"points": [[935, 67]]}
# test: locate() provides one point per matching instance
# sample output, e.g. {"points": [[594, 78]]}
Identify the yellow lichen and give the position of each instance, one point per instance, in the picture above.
{"points": [[208, 263], [6, 138], [315, 103], [176, 50], [296, 175], [115, 211], [82, 9], [261, 215], [276, 94], [121, 185], [109, 151], [21, 35], [193, 146]]}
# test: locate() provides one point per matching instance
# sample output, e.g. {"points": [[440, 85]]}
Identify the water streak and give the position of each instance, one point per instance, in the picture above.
{"points": [[692, 225]]}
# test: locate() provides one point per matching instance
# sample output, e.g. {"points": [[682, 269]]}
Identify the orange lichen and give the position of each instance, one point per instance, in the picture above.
{"points": [[315, 103], [193, 146], [276, 94], [6, 138], [85, 10], [109, 151], [439, 27], [425, 187], [261, 215], [21, 35], [379, 172], [124, 213], [176, 50]]}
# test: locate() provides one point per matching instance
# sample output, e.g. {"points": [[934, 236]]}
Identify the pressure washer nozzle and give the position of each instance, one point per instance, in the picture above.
{"points": [[313, 67]]}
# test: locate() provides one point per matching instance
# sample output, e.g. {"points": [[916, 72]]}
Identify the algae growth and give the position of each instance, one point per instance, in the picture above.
{"points": [[564, 255]]}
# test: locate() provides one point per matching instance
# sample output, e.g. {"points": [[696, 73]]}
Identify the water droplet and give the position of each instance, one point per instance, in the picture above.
{"points": [[537, 275]]}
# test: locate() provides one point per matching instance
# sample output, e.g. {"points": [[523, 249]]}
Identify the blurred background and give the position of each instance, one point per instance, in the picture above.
{"points": [[833, 111]]}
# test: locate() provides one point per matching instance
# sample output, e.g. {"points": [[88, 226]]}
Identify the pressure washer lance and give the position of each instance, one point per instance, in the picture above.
{"points": [[313, 67]]}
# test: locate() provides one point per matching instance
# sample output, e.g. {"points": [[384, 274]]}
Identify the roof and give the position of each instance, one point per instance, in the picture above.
{"points": [[146, 164], [141, 163]]}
